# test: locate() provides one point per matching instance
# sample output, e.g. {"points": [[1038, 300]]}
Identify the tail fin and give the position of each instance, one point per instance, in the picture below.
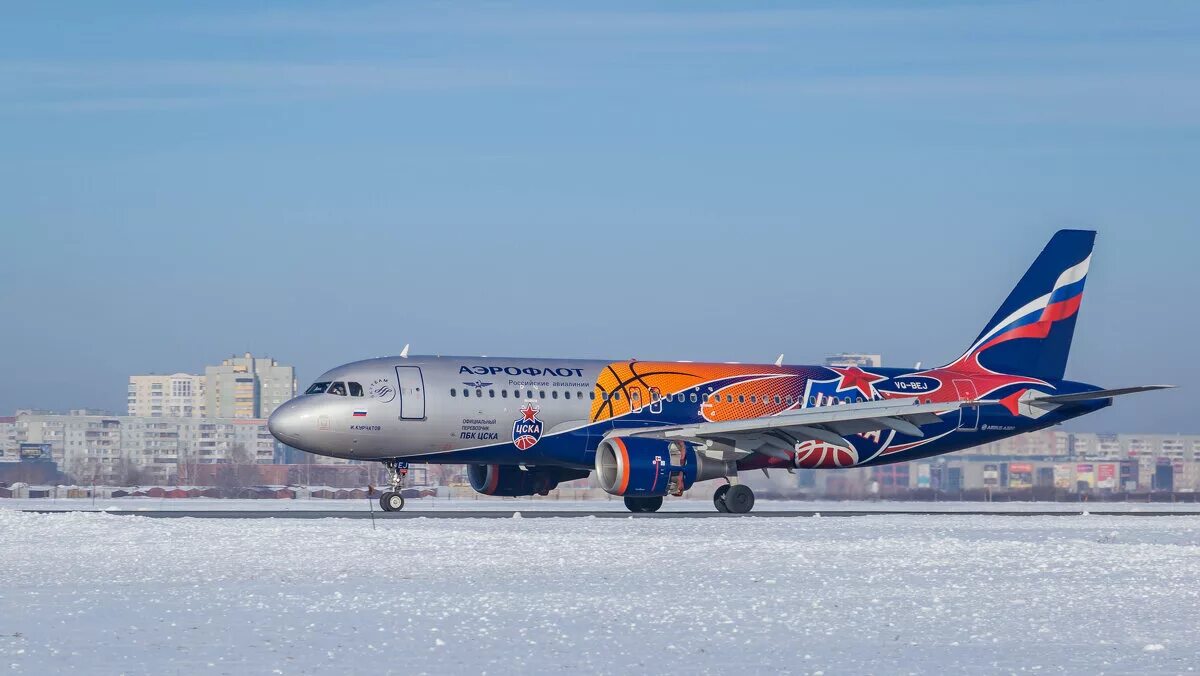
{"points": [[1031, 333]]}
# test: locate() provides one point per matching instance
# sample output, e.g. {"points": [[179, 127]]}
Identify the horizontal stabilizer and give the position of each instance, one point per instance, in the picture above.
{"points": [[1098, 394]]}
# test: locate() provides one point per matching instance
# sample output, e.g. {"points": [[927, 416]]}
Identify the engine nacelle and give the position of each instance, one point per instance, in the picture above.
{"points": [[640, 467], [512, 481]]}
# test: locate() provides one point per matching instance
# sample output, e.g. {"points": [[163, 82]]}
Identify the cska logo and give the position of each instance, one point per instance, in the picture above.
{"points": [[528, 429]]}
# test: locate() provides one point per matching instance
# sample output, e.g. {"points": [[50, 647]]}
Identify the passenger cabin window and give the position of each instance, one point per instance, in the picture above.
{"points": [[356, 389], [453, 392], [317, 388], [338, 388]]}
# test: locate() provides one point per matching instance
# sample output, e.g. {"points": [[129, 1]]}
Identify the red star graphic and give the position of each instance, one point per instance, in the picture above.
{"points": [[854, 378], [530, 412]]}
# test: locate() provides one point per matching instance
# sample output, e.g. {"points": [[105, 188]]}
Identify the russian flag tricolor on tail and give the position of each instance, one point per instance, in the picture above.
{"points": [[1031, 333], [1036, 319], [360, 413]]}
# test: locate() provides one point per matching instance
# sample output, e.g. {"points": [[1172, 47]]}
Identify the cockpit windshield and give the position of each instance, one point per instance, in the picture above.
{"points": [[338, 388]]}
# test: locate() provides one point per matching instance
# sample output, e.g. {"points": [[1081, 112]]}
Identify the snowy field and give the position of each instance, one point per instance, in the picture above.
{"points": [[97, 593], [551, 504]]}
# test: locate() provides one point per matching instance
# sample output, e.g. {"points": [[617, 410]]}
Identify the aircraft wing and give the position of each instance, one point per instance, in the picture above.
{"points": [[830, 424]]}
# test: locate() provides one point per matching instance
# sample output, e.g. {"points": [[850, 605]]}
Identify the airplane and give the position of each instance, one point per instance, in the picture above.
{"points": [[650, 429]]}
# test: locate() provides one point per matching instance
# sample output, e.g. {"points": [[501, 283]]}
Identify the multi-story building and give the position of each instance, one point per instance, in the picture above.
{"points": [[845, 359], [1038, 444], [1131, 446], [248, 387], [179, 395], [8, 443], [121, 450]]}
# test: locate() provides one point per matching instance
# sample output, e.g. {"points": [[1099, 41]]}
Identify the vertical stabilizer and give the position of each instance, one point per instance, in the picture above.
{"points": [[1031, 333]]}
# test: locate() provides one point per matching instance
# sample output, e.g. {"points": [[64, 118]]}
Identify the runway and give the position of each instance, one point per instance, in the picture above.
{"points": [[576, 514]]}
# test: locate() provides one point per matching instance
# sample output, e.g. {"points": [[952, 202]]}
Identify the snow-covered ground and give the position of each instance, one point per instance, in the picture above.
{"points": [[551, 504], [96, 593]]}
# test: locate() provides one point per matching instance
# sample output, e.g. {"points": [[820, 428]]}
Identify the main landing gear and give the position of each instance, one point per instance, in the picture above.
{"points": [[734, 499], [643, 505], [391, 500]]}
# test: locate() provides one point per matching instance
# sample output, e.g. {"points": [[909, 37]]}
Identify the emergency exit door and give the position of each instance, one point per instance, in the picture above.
{"points": [[411, 386]]}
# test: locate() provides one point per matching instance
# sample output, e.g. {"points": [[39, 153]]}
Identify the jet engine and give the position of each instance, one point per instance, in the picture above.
{"points": [[512, 481], [638, 467]]}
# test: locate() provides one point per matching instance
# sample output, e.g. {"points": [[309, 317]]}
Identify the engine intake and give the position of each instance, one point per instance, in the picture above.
{"points": [[639, 467], [511, 481]]}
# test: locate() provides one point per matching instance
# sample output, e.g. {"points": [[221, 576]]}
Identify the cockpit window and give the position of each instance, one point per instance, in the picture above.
{"points": [[338, 388], [356, 389], [317, 388]]}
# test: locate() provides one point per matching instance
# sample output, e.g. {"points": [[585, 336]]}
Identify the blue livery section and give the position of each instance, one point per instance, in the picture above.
{"points": [[1030, 335]]}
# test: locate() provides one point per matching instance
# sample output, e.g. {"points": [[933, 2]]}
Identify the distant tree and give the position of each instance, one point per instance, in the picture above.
{"points": [[129, 474]]}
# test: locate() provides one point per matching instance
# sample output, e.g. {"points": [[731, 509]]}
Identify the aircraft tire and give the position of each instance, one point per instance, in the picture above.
{"points": [[739, 499], [643, 505], [391, 501], [719, 498]]}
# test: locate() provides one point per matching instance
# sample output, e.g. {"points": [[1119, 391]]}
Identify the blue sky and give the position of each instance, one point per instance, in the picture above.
{"points": [[727, 181]]}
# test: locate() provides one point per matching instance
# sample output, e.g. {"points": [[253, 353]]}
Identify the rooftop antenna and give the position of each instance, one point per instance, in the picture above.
{"points": [[779, 361], [918, 366], [404, 352]]}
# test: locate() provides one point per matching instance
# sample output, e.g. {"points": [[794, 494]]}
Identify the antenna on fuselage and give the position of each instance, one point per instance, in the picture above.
{"points": [[779, 361], [404, 352], [918, 366]]}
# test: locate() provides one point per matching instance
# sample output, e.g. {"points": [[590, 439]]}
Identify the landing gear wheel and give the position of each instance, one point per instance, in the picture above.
{"points": [[643, 505], [739, 499], [719, 498], [391, 501]]}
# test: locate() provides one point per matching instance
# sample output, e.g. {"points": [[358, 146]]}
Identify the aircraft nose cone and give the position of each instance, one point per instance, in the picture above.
{"points": [[284, 423]]}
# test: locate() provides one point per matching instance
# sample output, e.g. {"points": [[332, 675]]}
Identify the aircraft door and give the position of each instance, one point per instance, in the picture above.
{"points": [[635, 399], [411, 387], [655, 400], [969, 416]]}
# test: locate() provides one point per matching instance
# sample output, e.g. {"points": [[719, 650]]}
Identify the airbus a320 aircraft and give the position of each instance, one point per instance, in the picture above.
{"points": [[651, 429]]}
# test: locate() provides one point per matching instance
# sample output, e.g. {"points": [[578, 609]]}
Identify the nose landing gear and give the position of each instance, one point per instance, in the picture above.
{"points": [[391, 500]]}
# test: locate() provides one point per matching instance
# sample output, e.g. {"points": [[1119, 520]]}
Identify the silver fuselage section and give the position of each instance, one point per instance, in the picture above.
{"points": [[407, 408]]}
